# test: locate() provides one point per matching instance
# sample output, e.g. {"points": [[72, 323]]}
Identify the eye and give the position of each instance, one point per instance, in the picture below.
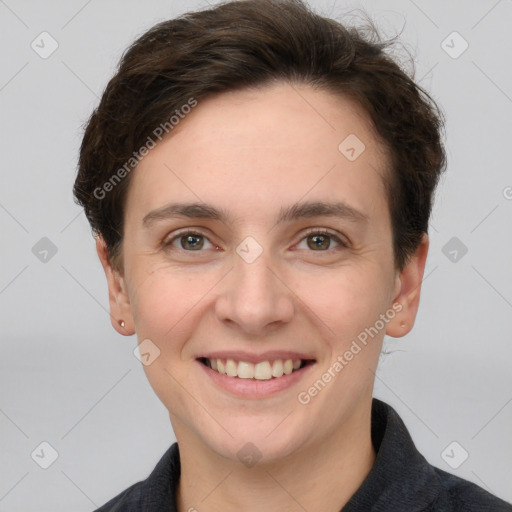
{"points": [[189, 241], [321, 241]]}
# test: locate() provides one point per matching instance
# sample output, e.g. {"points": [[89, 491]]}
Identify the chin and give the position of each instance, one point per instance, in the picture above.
{"points": [[256, 440]]}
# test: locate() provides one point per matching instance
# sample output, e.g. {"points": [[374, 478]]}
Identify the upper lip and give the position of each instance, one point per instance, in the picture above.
{"points": [[251, 357]]}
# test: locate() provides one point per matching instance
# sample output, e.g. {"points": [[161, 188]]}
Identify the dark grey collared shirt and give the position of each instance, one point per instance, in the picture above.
{"points": [[401, 480]]}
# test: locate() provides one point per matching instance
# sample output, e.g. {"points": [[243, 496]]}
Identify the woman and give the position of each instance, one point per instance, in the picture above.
{"points": [[260, 181]]}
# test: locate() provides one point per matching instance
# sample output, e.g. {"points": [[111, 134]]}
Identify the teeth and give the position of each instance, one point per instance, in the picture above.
{"points": [[288, 367], [277, 368], [264, 370], [245, 370], [231, 368]]}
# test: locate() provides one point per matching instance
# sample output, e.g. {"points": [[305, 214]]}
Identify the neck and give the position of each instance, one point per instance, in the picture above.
{"points": [[322, 476]]}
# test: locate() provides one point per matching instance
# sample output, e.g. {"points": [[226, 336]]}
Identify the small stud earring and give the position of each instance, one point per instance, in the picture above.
{"points": [[121, 323], [402, 324]]}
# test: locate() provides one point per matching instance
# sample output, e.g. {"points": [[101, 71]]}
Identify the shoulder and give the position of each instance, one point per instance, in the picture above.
{"points": [[459, 495], [127, 501], [153, 494], [402, 479]]}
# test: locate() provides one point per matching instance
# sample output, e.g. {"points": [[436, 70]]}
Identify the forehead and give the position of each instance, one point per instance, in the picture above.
{"points": [[265, 148]]}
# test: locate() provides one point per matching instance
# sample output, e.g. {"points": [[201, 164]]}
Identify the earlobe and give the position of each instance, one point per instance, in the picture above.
{"points": [[408, 290], [119, 302]]}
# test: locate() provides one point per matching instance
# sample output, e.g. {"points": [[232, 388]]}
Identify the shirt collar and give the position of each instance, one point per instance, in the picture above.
{"points": [[400, 479]]}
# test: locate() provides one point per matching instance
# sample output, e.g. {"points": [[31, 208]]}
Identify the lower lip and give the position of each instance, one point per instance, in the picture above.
{"points": [[253, 388]]}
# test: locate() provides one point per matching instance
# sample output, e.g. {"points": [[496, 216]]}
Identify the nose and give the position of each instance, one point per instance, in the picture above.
{"points": [[255, 298]]}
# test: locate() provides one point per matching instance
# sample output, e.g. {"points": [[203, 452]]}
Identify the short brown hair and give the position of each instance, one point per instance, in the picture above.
{"points": [[250, 43]]}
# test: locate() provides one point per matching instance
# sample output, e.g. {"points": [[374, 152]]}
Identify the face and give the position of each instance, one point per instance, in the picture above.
{"points": [[258, 243]]}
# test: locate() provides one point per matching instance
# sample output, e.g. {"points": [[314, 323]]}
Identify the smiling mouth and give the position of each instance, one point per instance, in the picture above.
{"points": [[264, 370]]}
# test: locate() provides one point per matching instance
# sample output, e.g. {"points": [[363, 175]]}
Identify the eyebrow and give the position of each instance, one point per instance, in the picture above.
{"points": [[296, 211]]}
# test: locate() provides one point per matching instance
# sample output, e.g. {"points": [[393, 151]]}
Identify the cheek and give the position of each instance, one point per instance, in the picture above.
{"points": [[169, 303], [346, 300], [167, 306], [164, 302]]}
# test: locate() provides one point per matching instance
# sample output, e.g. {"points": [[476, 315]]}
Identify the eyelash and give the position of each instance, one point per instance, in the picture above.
{"points": [[325, 232], [314, 231]]}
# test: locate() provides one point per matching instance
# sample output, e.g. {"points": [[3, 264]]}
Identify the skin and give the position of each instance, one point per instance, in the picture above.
{"points": [[251, 153]]}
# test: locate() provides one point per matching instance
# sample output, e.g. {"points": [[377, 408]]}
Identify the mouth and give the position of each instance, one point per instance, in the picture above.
{"points": [[262, 370]]}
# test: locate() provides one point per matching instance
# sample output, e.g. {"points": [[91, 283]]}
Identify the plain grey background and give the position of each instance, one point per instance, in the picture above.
{"points": [[68, 379]]}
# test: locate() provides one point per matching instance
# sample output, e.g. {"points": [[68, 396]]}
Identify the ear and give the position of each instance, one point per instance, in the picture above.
{"points": [[407, 292], [120, 308]]}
